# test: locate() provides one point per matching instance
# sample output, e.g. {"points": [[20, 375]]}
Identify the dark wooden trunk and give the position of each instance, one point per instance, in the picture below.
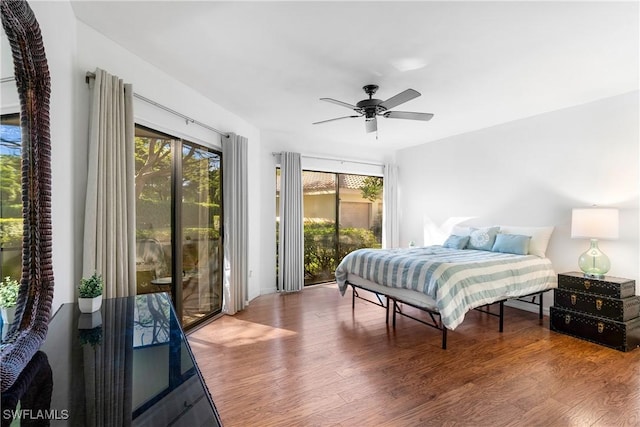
{"points": [[613, 287], [618, 309], [623, 336]]}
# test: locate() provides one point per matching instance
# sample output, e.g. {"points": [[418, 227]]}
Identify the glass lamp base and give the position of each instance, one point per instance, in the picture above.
{"points": [[593, 262]]}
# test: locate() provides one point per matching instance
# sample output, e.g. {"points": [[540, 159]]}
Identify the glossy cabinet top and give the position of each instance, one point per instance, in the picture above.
{"points": [[128, 364]]}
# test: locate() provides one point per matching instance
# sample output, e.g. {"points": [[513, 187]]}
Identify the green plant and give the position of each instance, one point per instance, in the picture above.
{"points": [[91, 336], [91, 287], [9, 292]]}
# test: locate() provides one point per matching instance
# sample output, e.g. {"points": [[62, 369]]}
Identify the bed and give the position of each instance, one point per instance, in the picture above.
{"points": [[447, 282]]}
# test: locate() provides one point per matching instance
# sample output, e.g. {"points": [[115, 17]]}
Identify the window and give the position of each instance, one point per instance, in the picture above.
{"points": [[179, 223], [10, 197], [342, 212]]}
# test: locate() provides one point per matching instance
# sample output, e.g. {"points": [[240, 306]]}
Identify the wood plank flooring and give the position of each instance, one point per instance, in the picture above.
{"points": [[307, 359]]}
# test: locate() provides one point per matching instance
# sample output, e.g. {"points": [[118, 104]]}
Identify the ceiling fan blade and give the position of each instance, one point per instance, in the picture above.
{"points": [[331, 120], [407, 115], [335, 101], [371, 125], [400, 98]]}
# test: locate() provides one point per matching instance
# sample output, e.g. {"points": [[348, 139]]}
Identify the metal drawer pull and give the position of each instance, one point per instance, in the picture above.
{"points": [[567, 319], [600, 327], [598, 304], [573, 299], [587, 284]]}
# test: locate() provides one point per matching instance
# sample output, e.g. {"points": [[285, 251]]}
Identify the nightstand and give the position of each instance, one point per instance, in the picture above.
{"points": [[604, 311]]}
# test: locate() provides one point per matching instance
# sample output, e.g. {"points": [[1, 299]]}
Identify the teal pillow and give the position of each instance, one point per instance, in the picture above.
{"points": [[456, 242], [512, 244], [482, 238]]}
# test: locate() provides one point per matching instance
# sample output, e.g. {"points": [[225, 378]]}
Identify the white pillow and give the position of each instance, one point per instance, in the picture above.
{"points": [[459, 230], [539, 237]]}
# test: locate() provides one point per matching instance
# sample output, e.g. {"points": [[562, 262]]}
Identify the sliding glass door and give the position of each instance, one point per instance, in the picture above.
{"points": [[179, 223], [320, 203], [342, 212]]}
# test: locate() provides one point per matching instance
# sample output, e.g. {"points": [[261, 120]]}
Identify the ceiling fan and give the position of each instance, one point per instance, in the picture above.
{"points": [[371, 108]]}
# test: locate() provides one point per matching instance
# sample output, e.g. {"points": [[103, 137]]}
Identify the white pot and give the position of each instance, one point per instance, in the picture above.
{"points": [[8, 314], [90, 320], [89, 305]]}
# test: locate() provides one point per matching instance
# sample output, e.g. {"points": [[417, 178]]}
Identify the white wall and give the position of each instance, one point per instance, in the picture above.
{"points": [[533, 172], [536, 169], [95, 50], [57, 24], [72, 49]]}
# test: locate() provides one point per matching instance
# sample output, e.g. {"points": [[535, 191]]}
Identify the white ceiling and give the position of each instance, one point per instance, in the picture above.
{"points": [[477, 64]]}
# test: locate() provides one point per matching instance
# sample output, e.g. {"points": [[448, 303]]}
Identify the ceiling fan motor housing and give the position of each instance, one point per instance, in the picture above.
{"points": [[370, 108]]}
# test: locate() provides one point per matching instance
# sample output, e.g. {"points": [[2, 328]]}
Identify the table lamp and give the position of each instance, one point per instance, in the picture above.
{"points": [[594, 224]]}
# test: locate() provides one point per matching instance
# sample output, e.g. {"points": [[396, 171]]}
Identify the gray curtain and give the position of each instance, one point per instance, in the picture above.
{"points": [[390, 231], [109, 219], [236, 235], [107, 357], [291, 241]]}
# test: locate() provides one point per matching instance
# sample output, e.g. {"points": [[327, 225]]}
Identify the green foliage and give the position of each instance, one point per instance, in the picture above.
{"points": [[320, 255], [91, 336], [91, 287], [10, 175], [11, 232], [371, 188], [11, 210], [9, 289]]}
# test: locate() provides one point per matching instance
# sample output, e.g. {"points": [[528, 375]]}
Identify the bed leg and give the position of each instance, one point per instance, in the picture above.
{"points": [[395, 307], [444, 337], [541, 294], [501, 316], [387, 314]]}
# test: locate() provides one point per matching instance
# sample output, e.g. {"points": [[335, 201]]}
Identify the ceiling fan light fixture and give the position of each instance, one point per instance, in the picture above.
{"points": [[371, 108]]}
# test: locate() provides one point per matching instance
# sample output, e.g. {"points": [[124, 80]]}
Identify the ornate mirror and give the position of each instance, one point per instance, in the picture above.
{"points": [[29, 329]]}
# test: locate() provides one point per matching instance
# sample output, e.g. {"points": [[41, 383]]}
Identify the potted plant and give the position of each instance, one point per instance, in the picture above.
{"points": [[8, 299], [90, 293]]}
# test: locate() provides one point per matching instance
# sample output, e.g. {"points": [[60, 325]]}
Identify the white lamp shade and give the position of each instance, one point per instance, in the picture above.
{"points": [[594, 223]]}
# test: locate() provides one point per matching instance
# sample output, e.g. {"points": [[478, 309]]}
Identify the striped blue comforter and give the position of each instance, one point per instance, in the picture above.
{"points": [[458, 280]]}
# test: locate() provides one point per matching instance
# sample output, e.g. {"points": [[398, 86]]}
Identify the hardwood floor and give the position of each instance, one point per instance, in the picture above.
{"points": [[307, 360]]}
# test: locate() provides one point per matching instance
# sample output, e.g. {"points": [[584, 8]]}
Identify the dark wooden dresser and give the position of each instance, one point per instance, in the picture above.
{"points": [[604, 311]]}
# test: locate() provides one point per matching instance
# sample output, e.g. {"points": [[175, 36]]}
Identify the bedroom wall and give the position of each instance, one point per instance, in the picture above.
{"points": [[57, 25], [73, 49], [533, 172]]}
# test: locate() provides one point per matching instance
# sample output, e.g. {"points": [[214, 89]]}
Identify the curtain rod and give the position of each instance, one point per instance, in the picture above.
{"points": [[7, 79], [334, 159], [188, 119]]}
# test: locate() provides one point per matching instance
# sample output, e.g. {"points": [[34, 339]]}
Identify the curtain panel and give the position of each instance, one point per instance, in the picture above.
{"points": [[291, 229], [390, 230], [109, 219], [236, 212]]}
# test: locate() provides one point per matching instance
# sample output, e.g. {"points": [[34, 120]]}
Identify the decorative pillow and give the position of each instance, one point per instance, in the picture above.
{"points": [[456, 242], [539, 237], [512, 244], [460, 230], [482, 238]]}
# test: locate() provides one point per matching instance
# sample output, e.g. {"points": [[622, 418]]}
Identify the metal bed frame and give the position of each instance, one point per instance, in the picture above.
{"points": [[437, 323]]}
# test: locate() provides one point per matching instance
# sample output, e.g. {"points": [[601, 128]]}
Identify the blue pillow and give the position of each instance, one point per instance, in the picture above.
{"points": [[482, 238], [456, 242], [512, 244]]}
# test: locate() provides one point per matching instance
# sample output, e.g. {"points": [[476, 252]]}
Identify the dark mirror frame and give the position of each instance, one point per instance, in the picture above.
{"points": [[29, 329]]}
